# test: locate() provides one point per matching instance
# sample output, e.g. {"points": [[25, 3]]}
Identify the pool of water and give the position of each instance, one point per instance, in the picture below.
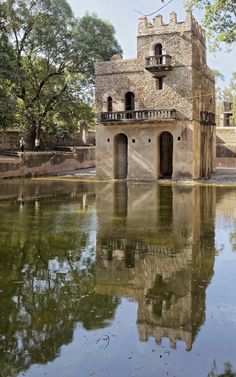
{"points": [[117, 279]]}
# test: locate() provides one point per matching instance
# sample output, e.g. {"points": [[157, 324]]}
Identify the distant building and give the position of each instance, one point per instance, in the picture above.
{"points": [[226, 114], [156, 113]]}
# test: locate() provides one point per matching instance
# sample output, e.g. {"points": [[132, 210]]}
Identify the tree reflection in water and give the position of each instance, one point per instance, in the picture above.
{"points": [[47, 257], [228, 371]]}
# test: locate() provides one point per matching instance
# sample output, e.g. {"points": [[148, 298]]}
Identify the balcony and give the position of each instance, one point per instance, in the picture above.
{"points": [[158, 65], [138, 115]]}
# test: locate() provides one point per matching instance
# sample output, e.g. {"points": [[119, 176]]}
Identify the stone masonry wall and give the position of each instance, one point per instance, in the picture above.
{"points": [[143, 147], [226, 142], [34, 164], [226, 146]]}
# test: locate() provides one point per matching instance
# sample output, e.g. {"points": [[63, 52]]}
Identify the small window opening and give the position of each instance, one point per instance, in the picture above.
{"points": [[109, 104], [149, 140], [108, 140], [133, 140], [179, 138], [159, 83]]}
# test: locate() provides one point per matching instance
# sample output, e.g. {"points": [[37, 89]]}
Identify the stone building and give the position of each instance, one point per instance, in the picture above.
{"points": [[156, 112], [226, 115]]}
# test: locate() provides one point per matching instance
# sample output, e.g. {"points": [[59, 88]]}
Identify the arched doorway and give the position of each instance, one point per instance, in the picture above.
{"points": [[120, 156], [158, 49], [166, 155], [158, 53]]}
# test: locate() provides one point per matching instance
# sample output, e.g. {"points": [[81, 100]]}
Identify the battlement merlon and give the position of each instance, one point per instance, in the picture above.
{"points": [[157, 26], [146, 330]]}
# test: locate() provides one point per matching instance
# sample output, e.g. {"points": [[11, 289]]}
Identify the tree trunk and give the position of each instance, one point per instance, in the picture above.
{"points": [[34, 132]]}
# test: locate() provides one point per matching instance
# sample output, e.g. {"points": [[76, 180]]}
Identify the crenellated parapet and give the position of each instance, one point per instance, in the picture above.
{"points": [[160, 333], [157, 26]]}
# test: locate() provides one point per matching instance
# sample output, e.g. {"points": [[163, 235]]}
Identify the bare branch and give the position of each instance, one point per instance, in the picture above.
{"points": [[151, 14]]}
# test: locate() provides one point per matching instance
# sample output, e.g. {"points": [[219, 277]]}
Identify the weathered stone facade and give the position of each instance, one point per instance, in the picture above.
{"points": [[226, 147], [162, 102], [35, 164]]}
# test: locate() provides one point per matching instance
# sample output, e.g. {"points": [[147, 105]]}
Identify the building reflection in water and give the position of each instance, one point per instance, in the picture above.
{"points": [[155, 245], [61, 263]]}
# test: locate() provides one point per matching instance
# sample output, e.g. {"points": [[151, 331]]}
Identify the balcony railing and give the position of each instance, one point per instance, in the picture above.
{"points": [[158, 64], [138, 115]]}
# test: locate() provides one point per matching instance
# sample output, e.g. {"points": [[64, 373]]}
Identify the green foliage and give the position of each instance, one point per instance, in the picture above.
{"points": [[219, 19], [7, 102], [97, 41], [51, 57]]}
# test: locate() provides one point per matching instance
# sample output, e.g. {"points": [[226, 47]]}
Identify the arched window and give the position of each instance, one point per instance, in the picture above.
{"points": [[109, 104]]}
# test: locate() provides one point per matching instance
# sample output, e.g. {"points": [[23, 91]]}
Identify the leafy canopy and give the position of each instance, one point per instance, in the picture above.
{"points": [[50, 55], [219, 19]]}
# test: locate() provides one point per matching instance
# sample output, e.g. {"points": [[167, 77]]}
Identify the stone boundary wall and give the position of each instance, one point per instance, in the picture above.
{"points": [[34, 164], [10, 140], [226, 162], [226, 147]]}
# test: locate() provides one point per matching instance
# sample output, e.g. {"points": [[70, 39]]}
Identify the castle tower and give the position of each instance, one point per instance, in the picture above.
{"points": [[156, 112]]}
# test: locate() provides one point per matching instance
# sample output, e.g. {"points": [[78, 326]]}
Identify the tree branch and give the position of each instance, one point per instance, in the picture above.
{"points": [[52, 101]]}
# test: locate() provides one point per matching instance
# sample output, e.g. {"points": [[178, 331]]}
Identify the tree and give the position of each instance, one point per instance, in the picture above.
{"points": [[219, 19], [7, 102], [228, 371], [53, 56]]}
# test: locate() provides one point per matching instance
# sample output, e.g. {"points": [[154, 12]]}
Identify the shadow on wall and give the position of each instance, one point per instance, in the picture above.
{"points": [[224, 151]]}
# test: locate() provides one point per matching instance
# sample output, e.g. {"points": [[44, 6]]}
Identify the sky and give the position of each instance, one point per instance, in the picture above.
{"points": [[124, 17]]}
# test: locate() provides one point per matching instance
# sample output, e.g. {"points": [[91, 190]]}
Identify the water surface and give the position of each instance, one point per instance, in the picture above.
{"points": [[123, 279]]}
